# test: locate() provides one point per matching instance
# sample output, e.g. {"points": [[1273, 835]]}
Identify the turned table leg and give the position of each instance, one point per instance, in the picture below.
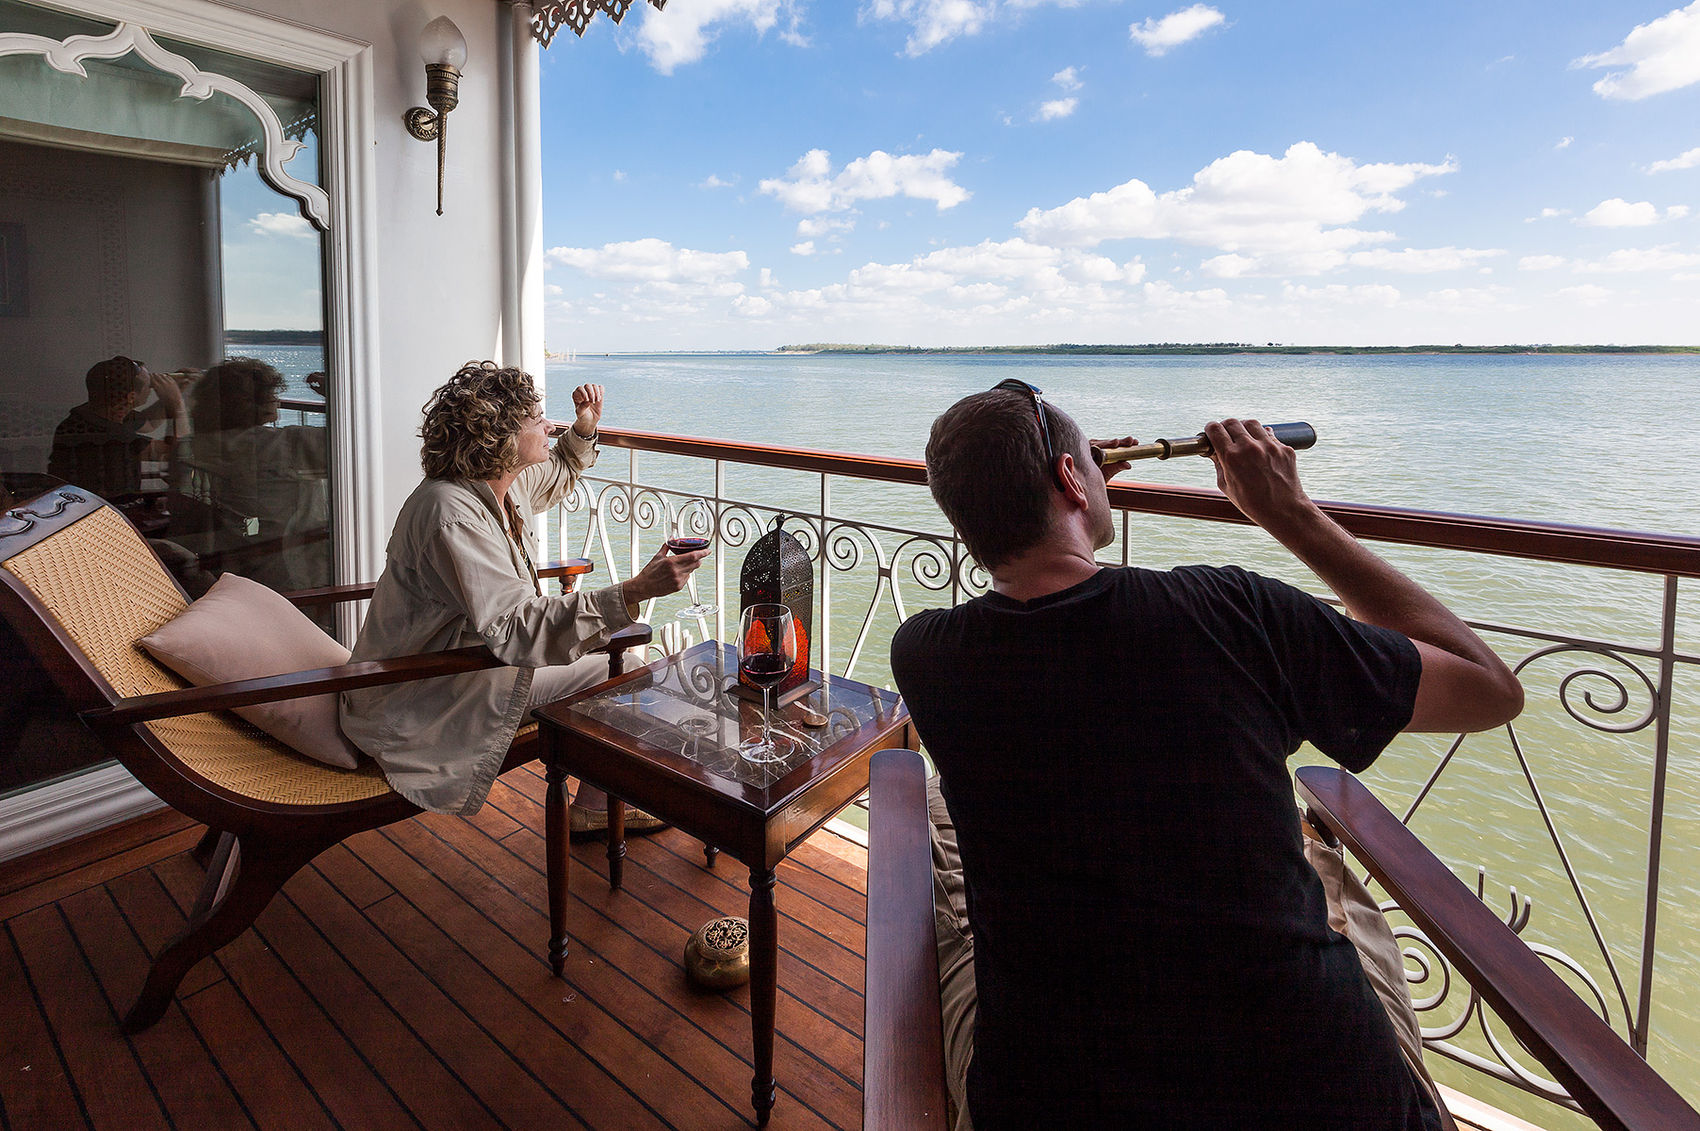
{"points": [[764, 984], [558, 853]]}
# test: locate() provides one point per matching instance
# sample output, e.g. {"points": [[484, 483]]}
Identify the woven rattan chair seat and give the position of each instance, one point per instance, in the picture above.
{"points": [[105, 587]]}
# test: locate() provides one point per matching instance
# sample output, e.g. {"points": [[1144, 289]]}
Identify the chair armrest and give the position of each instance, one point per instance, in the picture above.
{"points": [[336, 594], [292, 685], [903, 1051], [634, 635], [1616, 1088]]}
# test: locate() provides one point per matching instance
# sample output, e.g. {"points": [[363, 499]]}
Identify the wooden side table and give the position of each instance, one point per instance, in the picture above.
{"points": [[665, 738]]}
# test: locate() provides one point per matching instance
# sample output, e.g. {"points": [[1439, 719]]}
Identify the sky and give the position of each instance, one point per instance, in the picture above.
{"points": [[746, 174]]}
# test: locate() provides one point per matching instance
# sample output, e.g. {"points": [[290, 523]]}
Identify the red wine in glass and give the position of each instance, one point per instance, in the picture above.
{"points": [[686, 545], [765, 669]]}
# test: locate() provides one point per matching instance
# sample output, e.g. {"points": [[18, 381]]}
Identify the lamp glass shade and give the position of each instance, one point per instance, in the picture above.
{"points": [[442, 42]]}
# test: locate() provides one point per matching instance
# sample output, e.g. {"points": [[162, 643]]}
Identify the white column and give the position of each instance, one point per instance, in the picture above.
{"points": [[527, 192]]}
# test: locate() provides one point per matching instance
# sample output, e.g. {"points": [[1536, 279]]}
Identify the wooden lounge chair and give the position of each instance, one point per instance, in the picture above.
{"points": [[79, 586], [903, 1071]]}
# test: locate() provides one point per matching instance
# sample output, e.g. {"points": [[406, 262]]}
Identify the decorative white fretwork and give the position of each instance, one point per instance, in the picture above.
{"points": [[548, 15], [277, 151]]}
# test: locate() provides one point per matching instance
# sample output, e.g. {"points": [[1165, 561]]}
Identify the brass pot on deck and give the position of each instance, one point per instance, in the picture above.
{"points": [[717, 957]]}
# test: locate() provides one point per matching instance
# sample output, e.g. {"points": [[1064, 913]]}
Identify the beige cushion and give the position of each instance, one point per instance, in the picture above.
{"points": [[243, 630]]}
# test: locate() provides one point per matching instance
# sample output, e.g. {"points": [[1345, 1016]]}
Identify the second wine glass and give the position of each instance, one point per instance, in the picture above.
{"points": [[767, 651], [685, 540]]}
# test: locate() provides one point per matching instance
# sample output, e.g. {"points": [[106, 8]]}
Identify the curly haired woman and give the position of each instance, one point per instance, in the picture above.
{"points": [[460, 572]]}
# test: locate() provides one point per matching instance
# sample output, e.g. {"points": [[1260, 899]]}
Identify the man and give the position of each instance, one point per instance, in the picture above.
{"points": [[1148, 945], [100, 446]]}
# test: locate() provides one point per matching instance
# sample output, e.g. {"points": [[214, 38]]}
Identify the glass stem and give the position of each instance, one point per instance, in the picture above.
{"points": [[766, 737]]}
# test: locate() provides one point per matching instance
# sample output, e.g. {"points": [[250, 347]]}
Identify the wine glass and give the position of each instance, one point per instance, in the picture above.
{"points": [[684, 543], [767, 651]]}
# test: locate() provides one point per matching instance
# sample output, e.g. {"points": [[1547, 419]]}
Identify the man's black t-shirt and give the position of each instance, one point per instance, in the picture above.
{"points": [[97, 454], [1149, 941]]}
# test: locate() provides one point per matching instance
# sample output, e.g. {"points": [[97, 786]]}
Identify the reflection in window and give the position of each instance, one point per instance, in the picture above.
{"points": [[161, 325]]}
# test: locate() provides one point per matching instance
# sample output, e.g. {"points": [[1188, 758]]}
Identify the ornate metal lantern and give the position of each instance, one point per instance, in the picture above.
{"points": [[777, 570]]}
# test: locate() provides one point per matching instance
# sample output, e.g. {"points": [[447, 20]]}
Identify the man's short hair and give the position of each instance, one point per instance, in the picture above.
{"points": [[111, 380], [987, 471], [472, 424]]}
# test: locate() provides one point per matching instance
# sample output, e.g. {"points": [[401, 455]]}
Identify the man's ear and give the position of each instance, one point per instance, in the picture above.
{"points": [[1073, 483]]}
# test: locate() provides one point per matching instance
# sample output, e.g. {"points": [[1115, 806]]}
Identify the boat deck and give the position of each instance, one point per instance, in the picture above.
{"points": [[400, 981]]}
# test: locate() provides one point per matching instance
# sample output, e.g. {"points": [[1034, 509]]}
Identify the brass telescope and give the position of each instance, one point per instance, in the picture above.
{"points": [[1297, 436]]}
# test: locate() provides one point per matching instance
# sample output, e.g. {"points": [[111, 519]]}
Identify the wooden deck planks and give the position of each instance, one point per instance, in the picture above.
{"points": [[400, 981]]}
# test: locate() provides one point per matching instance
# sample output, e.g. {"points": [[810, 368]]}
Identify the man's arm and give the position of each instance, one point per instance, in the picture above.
{"points": [[168, 403], [1464, 686]]}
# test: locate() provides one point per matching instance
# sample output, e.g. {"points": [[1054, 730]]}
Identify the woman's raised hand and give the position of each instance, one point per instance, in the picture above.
{"points": [[587, 404]]}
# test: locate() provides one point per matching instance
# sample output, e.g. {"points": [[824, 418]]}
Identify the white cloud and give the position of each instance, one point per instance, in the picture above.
{"points": [[1374, 294], [1662, 55], [810, 227], [1588, 294], [281, 224], [1620, 213], [1057, 108], [1288, 214], [1564, 142], [1685, 160], [1176, 28], [714, 182], [619, 175], [807, 247], [1422, 260], [651, 260], [1631, 259], [1068, 79], [1541, 262], [682, 33], [934, 21], [1547, 214], [810, 186]]}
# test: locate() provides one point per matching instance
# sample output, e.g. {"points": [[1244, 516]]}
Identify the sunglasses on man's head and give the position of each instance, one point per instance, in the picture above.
{"points": [[1037, 396]]}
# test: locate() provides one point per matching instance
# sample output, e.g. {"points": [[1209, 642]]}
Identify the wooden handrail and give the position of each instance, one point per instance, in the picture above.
{"points": [[1601, 1072], [903, 1087], [1538, 541]]}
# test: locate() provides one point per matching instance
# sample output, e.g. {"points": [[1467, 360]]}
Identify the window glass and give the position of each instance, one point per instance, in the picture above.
{"points": [[161, 325]]}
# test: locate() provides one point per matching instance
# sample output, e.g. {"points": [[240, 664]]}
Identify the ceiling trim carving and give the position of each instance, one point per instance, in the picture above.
{"points": [[549, 16]]}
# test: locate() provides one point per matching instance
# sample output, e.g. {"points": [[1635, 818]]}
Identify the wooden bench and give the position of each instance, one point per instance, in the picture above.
{"points": [[903, 1071], [79, 586]]}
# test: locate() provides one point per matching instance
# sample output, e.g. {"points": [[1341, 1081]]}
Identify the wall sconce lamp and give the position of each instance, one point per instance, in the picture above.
{"points": [[443, 49]]}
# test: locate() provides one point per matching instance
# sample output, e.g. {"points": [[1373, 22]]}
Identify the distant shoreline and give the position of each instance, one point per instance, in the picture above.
{"points": [[274, 337], [1219, 348]]}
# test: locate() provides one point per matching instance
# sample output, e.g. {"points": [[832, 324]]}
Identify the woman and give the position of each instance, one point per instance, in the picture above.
{"points": [[460, 572], [265, 480]]}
